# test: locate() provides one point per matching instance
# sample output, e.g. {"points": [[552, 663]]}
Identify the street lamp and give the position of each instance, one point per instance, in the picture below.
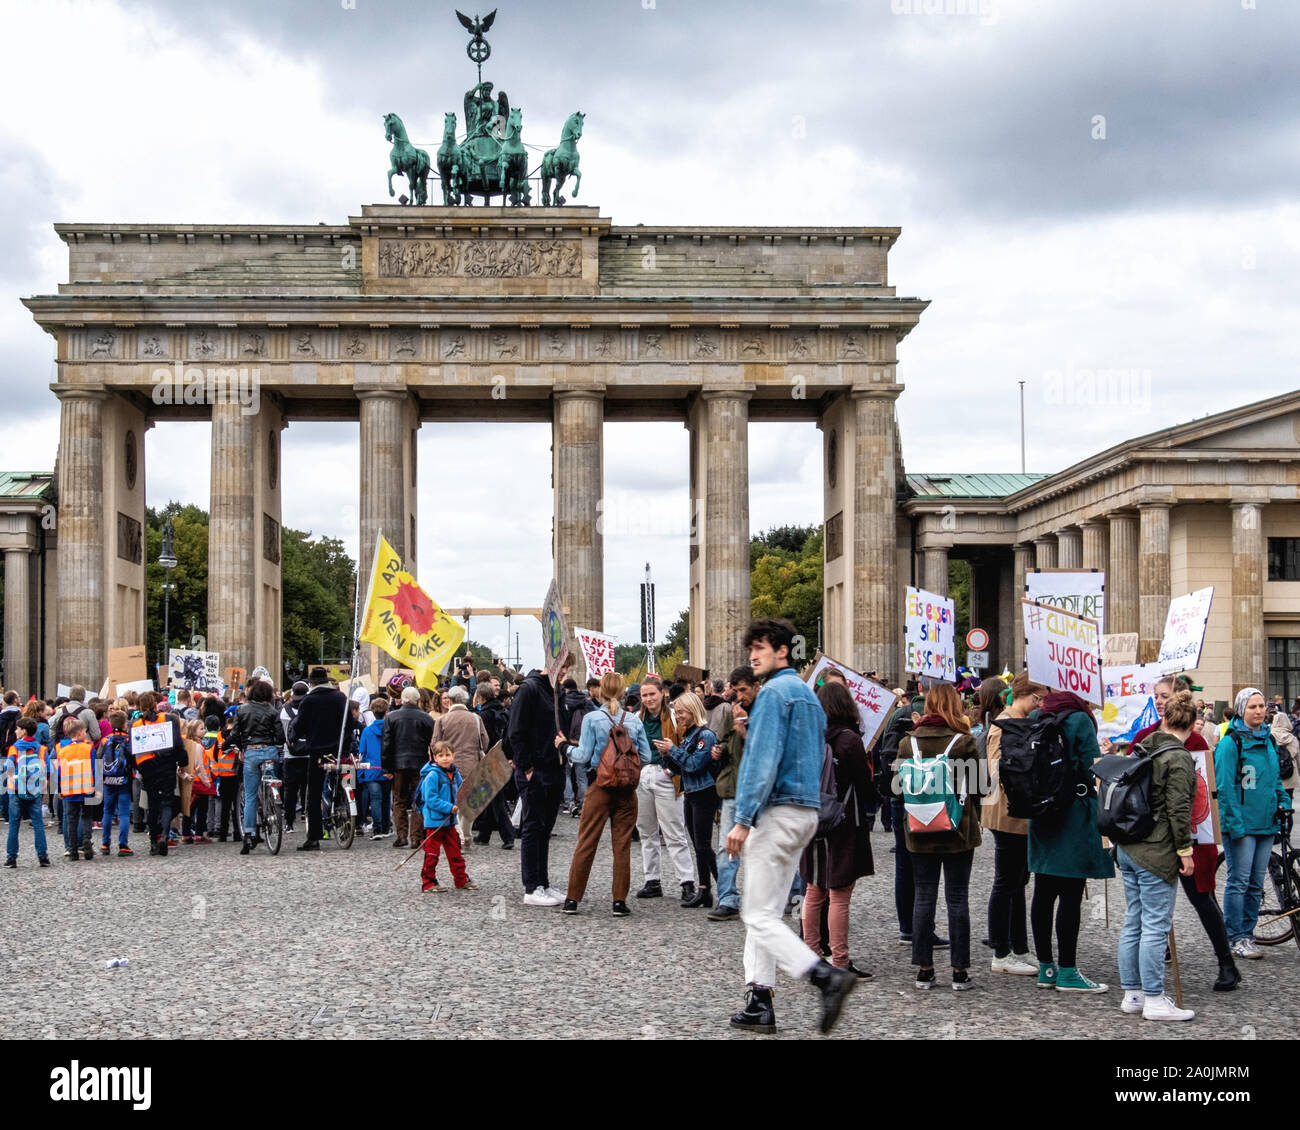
{"points": [[167, 559]]}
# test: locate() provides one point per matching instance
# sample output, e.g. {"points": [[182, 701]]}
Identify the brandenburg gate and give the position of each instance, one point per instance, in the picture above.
{"points": [[412, 315]]}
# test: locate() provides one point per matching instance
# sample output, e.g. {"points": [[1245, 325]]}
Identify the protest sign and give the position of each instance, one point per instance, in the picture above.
{"points": [[127, 664], [1062, 650], [485, 780], [151, 738], [685, 673], [195, 670], [1128, 706], [597, 651], [1081, 591], [874, 700], [1119, 648], [1180, 648], [930, 634], [1206, 803], [555, 633], [139, 686], [235, 677]]}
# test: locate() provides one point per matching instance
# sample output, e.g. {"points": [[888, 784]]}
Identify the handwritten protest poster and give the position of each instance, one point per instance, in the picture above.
{"points": [[597, 651], [874, 700], [1180, 649], [1205, 804], [1081, 591], [195, 670], [1119, 648], [1129, 705], [930, 634], [1063, 650], [151, 738]]}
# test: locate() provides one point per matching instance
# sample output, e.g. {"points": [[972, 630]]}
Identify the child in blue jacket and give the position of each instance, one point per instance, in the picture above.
{"points": [[440, 781], [27, 776]]}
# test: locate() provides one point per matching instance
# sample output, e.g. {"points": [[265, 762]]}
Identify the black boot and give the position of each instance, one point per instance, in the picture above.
{"points": [[703, 897], [652, 890], [688, 893], [1229, 978], [835, 985], [248, 844], [758, 1015]]}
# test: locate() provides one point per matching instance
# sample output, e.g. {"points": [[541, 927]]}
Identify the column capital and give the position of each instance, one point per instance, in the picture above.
{"points": [[880, 392], [745, 392], [1239, 503], [1094, 524], [383, 393], [1045, 539], [1154, 504], [586, 392], [64, 392]]}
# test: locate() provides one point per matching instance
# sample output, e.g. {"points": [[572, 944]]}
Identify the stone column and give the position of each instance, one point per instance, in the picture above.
{"points": [[877, 593], [1045, 552], [1069, 548], [1153, 578], [578, 476], [1008, 620], [1122, 576], [1022, 563], [232, 538], [18, 622], [1096, 546], [720, 550], [935, 576], [1249, 650], [80, 656]]}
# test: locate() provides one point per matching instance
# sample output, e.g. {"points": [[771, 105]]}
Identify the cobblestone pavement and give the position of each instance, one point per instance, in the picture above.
{"points": [[339, 944]]}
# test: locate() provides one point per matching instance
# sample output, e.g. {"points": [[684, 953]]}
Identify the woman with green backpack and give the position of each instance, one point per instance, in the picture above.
{"points": [[1065, 852], [942, 835]]}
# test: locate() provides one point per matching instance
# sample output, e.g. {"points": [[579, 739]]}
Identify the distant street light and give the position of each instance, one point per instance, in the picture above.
{"points": [[167, 559]]}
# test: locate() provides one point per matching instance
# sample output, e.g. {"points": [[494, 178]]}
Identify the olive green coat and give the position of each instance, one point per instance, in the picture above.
{"points": [[1173, 786]]}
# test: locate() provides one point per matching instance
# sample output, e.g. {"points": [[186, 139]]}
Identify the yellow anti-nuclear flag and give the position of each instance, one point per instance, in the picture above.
{"points": [[405, 621]]}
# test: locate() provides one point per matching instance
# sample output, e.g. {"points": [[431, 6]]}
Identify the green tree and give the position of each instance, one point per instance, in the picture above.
{"points": [[679, 636], [786, 579], [187, 604], [316, 581], [959, 581]]}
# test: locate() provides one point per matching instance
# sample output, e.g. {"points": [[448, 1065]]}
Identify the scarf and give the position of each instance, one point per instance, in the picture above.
{"points": [[1239, 704], [1067, 702]]}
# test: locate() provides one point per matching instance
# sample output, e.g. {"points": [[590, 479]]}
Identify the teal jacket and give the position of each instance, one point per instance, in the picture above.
{"points": [[1249, 784], [1071, 847]]}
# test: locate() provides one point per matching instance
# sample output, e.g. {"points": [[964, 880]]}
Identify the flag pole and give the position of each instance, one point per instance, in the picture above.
{"points": [[356, 630]]}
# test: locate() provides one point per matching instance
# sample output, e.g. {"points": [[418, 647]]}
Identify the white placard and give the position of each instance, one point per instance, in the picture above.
{"points": [[151, 738], [597, 651], [62, 690], [930, 634], [1180, 648], [140, 686], [1062, 650], [1129, 705], [1081, 591], [874, 700], [1119, 648], [195, 670]]}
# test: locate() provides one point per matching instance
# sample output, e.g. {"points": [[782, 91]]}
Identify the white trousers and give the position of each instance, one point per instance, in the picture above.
{"points": [[768, 864], [659, 809]]}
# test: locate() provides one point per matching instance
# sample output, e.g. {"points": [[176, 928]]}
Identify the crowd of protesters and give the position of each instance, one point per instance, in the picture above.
{"points": [[731, 779]]}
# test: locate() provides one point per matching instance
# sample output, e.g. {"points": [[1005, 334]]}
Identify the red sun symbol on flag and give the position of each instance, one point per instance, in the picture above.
{"points": [[413, 607]]}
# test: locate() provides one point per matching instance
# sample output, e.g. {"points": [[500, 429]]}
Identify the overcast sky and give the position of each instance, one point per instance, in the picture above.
{"points": [[1081, 184]]}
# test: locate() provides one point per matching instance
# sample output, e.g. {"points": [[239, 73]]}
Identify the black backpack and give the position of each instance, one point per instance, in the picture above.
{"points": [[1124, 798], [8, 729], [1035, 767], [1285, 762]]}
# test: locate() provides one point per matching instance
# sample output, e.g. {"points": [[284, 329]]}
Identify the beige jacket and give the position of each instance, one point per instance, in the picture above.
{"points": [[993, 807], [463, 730]]}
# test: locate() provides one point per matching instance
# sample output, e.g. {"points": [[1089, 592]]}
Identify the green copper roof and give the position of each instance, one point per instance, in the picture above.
{"points": [[939, 485], [25, 484]]}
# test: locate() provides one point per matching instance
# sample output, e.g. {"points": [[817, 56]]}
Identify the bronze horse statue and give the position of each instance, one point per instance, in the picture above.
{"points": [[406, 160], [561, 162]]}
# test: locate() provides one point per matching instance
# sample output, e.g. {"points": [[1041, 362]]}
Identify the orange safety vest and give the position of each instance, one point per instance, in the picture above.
{"points": [[141, 758], [76, 769], [226, 761]]}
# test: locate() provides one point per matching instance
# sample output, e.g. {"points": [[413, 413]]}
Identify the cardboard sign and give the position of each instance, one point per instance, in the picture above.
{"points": [[555, 633], [1119, 649], [486, 779], [685, 673], [195, 670], [597, 651], [235, 677], [930, 634], [1180, 648], [874, 700], [1081, 591], [127, 664], [1062, 650], [151, 738]]}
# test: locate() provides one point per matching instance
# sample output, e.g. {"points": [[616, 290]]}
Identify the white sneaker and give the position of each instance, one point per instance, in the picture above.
{"points": [[540, 897], [1246, 947], [1162, 1008], [1133, 1001], [1013, 965], [558, 896]]}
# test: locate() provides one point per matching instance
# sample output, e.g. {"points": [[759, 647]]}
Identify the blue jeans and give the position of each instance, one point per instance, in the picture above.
{"points": [[728, 868], [372, 797], [117, 802], [1247, 860], [1149, 912], [253, 759], [18, 808], [76, 825]]}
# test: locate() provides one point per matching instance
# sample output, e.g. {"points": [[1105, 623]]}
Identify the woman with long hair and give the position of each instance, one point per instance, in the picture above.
{"points": [[692, 758], [943, 728]]}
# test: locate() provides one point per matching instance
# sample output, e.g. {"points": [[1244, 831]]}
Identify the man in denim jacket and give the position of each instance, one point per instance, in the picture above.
{"points": [[778, 799]]}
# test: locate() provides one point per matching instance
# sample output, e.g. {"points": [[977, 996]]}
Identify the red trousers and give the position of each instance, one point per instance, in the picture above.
{"points": [[435, 841]]}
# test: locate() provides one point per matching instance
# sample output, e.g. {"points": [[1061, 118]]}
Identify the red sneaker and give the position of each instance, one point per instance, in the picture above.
{"points": [[202, 840], [187, 839], [125, 851]]}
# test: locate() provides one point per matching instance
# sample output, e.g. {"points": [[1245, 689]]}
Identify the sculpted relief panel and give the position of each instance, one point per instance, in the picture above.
{"points": [[480, 258]]}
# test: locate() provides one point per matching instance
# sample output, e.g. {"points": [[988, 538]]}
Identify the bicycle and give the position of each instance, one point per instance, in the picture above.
{"points": [[342, 803], [1281, 892], [270, 808]]}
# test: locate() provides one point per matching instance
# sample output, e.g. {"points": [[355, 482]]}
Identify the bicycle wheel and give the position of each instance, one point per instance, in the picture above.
{"points": [[1281, 893], [272, 820], [344, 832]]}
